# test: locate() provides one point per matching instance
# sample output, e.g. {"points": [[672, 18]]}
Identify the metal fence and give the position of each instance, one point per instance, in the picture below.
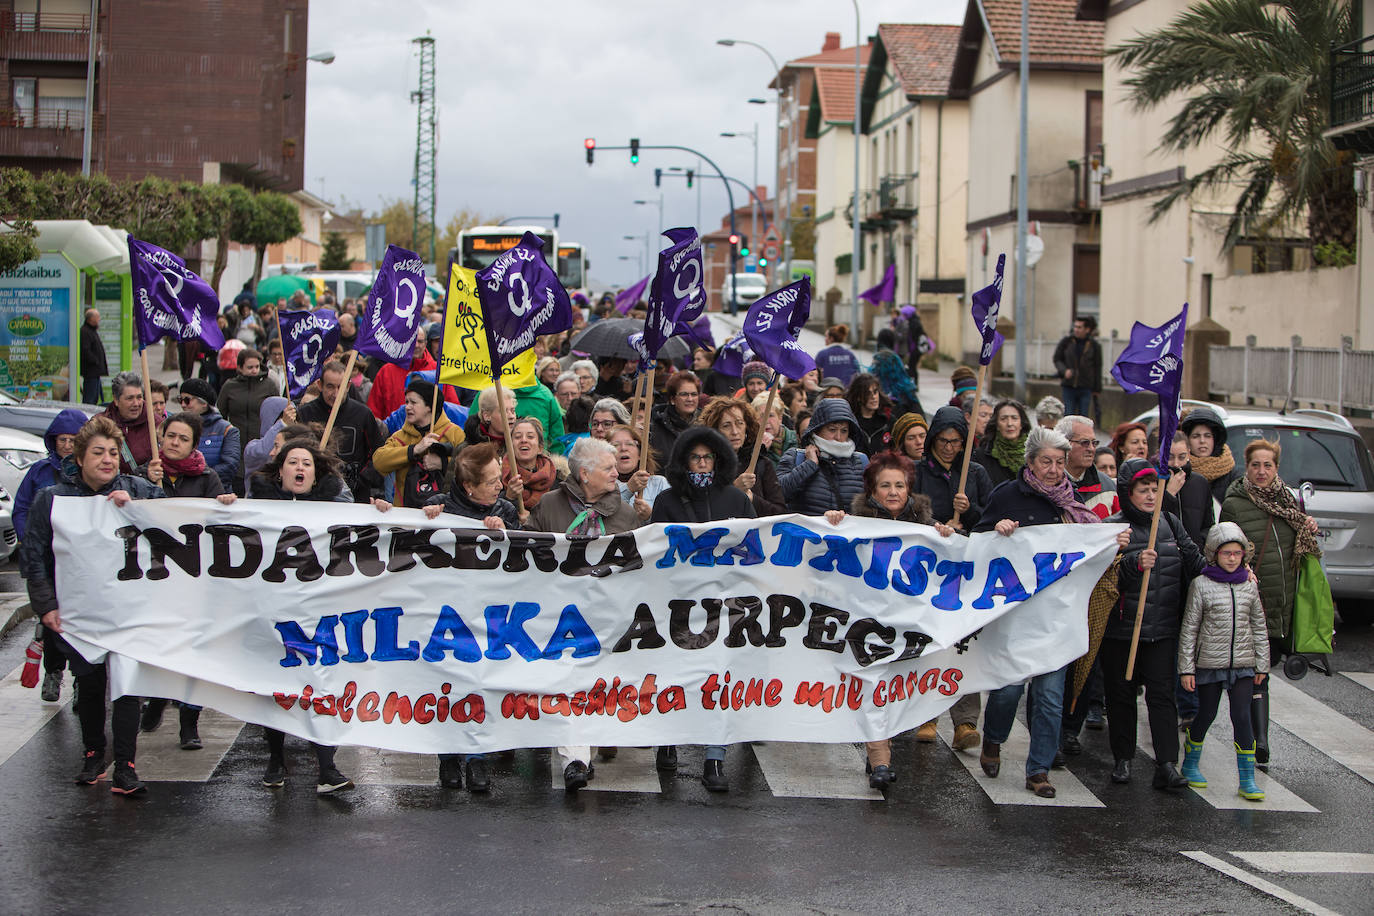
{"points": [[1337, 378], [1040, 355]]}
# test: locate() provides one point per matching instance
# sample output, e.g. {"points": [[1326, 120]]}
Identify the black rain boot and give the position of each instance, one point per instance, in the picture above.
{"points": [[190, 729], [1259, 721], [152, 714]]}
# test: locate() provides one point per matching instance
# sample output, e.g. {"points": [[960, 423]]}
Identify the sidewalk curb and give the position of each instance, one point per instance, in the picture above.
{"points": [[15, 609]]}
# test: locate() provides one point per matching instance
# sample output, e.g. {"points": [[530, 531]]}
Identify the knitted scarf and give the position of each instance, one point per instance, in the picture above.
{"points": [[1216, 465], [193, 465], [538, 481], [1009, 453], [1217, 574], [1063, 498], [1278, 501]]}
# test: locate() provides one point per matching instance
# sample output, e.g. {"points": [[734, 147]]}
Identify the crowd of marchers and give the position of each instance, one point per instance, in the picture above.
{"points": [[844, 439]]}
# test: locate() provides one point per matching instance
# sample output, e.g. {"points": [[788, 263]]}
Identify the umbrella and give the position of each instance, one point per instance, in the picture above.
{"points": [[283, 286], [610, 337]]}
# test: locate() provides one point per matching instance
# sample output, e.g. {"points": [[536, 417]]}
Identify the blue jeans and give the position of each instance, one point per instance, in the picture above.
{"points": [[91, 390], [1077, 401], [1044, 715]]}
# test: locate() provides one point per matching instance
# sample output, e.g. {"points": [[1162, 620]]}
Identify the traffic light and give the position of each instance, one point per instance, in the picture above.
{"points": [[658, 178], [734, 240], [690, 174], [763, 262], [634, 151], [744, 247], [590, 143]]}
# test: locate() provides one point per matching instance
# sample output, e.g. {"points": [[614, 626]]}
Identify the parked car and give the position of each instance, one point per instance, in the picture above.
{"points": [[18, 450], [34, 416], [748, 287], [1328, 467]]}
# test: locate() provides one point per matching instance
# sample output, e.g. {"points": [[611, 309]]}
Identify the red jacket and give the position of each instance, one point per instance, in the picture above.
{"points": [[389, 387]]}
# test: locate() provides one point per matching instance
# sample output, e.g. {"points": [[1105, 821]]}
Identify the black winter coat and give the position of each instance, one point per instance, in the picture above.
{"points": [[1084, 357], [768, 496], [1017, 501], [916, 511], [1193, 505], [665, 425], [940, 485], [330, 489], [685, 502], [204, 486], [996, 472], [1179, 562], [92, 353], [456, 502]]}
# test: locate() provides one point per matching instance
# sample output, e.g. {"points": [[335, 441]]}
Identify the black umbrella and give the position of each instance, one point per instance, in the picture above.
{"points": [[610, 337]]}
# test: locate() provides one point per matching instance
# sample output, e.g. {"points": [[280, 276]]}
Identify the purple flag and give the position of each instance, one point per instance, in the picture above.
{"points": [[676, 296], [772, 325], [734, 353], [626, 298], [391, 318], [170, 300], [521, 300], [886, 290], [308, 341], [986, 303], [1153, 361]]}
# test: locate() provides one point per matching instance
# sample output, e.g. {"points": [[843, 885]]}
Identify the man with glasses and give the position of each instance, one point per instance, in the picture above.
{"points": [[1097, 491], [219, 440]]}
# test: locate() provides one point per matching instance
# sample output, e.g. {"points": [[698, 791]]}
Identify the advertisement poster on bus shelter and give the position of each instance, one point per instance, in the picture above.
{"points": [[36, 301]]}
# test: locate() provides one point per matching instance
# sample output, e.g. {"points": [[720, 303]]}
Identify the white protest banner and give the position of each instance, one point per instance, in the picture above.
{"points": [[346, 626]]}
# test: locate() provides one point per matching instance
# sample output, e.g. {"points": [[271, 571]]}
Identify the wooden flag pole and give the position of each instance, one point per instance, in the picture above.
{"points": [[338, 398], [1144, 581], [763, 423], [510, 443], [148, 404], [968, 440], [644, 433]]}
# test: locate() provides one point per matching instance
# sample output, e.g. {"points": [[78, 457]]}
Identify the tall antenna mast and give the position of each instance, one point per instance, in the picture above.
{"points": [[423, 230]]}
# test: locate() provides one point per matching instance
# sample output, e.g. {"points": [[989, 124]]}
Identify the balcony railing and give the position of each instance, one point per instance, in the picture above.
{"points": [[45, 22], [44, 36], [61, 119], [897, 196], [1352, 96]]}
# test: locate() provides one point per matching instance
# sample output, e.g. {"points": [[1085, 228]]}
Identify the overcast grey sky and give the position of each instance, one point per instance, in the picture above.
{"points": [[521, 84]]}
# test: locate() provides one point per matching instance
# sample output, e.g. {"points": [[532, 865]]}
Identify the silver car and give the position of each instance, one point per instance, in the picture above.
{"points": [[1328, 466]]}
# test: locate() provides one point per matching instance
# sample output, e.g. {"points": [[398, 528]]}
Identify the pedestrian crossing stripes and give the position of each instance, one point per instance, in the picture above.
{"points": [[631, 770], [161, 759], [1363, 678], [1009, 788], [796, 770], [21, 713], [1219, 766], [1338, 737]]}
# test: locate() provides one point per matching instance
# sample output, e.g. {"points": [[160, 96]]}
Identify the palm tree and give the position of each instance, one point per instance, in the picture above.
{"points": [[1255, 76]]}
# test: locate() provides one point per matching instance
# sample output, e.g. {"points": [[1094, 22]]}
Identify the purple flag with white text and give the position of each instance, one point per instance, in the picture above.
{"points": [[308, 342], [676, 296], [986, 304], [772, 325], [1153, 361], [522, 299], [170, 300], [734, 353], [627, 298], [389, 322], [886, 290]]}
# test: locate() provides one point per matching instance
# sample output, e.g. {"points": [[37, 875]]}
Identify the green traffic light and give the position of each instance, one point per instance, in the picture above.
{"points": [[744, 252]]}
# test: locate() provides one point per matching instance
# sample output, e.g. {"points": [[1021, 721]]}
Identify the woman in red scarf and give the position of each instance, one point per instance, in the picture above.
{"points": [[538, 473], [180, 468]]}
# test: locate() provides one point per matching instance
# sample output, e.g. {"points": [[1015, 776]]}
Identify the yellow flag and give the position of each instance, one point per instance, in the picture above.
{"points": [[465, 360]]}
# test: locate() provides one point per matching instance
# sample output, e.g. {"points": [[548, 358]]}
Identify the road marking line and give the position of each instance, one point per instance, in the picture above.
{"points": [[1363, 678], [632, 770], [161, 759], [1310, 863], [1009, 788], [22, 713], [373, 767], [1219, 766], [1343, 740], [798, 770], [1258, 883]]}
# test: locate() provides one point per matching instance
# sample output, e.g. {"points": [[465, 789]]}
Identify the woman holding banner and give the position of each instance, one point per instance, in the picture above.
{"points": [[476, 495], [889, 493], [1175, 561], [1042, 494], [1264, 507], [701, 477], [91, 470], [734, 420], [588, 503], [301, 470], [939, 472]]}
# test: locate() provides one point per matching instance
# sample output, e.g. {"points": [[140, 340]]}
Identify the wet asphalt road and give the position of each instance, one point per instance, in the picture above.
{"points": [[938, 844]]}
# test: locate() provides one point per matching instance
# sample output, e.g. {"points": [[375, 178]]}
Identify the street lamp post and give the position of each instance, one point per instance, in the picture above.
{"points": [[659, 204], [638, 259], [753, 138], [645, 237], [777, 130], [855, 258]]}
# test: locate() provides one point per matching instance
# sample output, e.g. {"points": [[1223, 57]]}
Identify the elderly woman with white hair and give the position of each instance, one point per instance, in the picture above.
{"points": [[1042, 494], [587, 503], [1049, 410], [566, 389], [586, 373], [607, 414]]}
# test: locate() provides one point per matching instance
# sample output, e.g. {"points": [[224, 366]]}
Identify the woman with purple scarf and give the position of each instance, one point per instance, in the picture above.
{"points": [[1041, 494]]}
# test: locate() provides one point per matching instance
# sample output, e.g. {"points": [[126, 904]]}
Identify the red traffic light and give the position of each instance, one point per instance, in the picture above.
{"points": [[734, 240], [590, 143]]}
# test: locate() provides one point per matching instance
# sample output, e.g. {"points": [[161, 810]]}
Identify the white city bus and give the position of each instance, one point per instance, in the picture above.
{"points": [[480, 245], [573, 266]]}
